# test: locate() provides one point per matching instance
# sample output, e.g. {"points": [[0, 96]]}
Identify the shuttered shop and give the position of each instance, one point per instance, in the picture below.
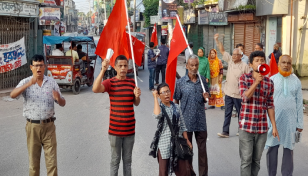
{"points": [[247, 34], [208, 38]]}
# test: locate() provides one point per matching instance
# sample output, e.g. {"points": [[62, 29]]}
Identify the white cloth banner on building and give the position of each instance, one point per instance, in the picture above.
{"points": [[12, 55]]}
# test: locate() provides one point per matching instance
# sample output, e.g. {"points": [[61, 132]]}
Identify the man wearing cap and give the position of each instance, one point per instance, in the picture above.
{"points": [[40, 92]]}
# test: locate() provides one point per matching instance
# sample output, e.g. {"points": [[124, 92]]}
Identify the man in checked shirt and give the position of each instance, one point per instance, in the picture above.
{"points": [[257, 101], [40, 92]]}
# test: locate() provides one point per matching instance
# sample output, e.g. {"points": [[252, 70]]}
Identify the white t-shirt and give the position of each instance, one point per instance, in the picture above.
{"points": [[187, 54], [57, 52]]}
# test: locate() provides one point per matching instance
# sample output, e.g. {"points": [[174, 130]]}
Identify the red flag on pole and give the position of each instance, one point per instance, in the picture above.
{"points": [[177, 45], [154, 36], [138, 48], [114, 35], [273, 66]]}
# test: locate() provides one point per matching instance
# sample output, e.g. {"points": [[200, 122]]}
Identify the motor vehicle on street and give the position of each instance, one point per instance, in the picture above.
{"points": [[61, 68]]}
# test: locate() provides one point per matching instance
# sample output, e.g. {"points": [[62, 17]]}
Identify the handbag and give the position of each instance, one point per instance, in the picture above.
{"points": [[182, 150]]}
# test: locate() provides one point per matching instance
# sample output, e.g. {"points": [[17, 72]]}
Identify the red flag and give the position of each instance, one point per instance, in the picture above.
{"points": [[154, 36], [273, 66], [177, 45], [114, 35], [138, 48]]}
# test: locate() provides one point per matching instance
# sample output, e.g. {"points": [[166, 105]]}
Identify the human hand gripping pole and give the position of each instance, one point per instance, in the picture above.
{"points": [[190, 52]]}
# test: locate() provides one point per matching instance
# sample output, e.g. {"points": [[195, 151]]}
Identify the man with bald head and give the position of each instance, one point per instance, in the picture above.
{"points": [[276, 53], [236, 67], [189, 92], [288, 102]]}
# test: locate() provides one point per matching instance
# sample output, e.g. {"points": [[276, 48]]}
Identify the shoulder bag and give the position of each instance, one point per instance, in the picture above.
{"points": [[182, 150]]}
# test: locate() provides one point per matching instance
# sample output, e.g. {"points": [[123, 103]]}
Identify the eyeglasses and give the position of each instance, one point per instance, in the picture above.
{"points": [[165, 92], [37, 66]]}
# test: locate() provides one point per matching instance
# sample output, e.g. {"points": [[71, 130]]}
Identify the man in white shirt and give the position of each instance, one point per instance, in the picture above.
{"points": [[73, 52], [58, 51]]}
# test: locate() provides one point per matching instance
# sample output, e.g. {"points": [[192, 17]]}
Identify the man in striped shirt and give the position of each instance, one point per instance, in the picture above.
{"points": [[123, 96]]}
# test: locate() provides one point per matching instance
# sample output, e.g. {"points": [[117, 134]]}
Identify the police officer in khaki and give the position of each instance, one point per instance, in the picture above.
{"points": [[40, 92]]}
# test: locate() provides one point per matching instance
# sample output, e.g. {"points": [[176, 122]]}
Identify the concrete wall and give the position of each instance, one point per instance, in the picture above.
{"points": [[299, 46]]}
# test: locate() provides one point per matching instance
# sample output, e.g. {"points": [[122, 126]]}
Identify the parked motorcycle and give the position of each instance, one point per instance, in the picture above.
{"points": [[110, 73]]}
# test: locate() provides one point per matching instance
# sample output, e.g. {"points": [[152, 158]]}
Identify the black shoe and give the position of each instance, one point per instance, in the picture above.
{"points": [[223, 108], [223, 135], [211, 107]]}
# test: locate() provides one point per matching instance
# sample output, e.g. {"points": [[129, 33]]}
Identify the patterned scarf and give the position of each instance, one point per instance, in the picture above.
{"points": [[214, 65], [176, 126]]}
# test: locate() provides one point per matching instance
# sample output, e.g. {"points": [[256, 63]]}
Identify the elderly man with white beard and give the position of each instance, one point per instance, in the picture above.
{"points": [[288, 103]]}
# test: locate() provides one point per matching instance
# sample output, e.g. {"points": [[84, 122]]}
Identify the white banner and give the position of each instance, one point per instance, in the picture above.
{"points": [[12, 55]]}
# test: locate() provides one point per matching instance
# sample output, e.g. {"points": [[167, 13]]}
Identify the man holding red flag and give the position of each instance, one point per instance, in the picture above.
{"points": [[154, 36], [189, 92], [123, 92]]}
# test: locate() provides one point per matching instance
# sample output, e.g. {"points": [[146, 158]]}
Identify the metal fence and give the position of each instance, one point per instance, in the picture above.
{"points": [[13, 29]]}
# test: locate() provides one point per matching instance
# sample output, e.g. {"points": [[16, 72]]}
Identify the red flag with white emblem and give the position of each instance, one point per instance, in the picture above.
{"points": [[138, 48], [154, 36]]}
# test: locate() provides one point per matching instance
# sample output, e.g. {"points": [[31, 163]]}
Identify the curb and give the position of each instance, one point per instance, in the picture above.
{"points": [[5, 92]]}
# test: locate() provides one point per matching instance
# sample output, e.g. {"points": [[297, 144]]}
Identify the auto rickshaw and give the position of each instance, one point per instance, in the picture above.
{"points": [[62, 69]]}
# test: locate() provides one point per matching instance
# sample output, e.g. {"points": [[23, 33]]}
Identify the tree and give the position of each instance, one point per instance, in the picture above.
{"points": [[150, 9]]}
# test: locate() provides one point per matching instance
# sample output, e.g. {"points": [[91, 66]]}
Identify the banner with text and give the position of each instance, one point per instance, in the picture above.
{"points": [[49, 16], [12, 55]]}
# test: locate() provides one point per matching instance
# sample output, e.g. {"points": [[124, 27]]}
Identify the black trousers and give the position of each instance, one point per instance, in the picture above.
{"points": [[201, 139], [162, 69], [229, 102]]}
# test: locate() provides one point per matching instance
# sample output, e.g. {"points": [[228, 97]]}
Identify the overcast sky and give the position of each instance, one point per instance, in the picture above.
{"points": [[83, 5]]}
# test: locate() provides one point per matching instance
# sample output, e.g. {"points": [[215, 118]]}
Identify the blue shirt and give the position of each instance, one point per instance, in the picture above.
{"points": [[164, 53], [245, 59], [151, 64], [191, 102]]}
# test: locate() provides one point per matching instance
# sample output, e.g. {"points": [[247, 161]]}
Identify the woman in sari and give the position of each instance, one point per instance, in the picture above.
{"points": [[216, 72], [204, 67]]}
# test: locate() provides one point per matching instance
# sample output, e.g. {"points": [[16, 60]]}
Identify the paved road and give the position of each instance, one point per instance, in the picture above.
{"points": [[83, 146]]}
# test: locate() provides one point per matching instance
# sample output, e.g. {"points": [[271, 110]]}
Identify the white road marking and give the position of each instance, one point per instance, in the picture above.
{"points": [[139, 79]]}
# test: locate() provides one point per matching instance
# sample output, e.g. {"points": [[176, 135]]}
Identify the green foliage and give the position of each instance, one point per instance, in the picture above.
{"points": [[200, 2], [246, 7], [151, 9]]}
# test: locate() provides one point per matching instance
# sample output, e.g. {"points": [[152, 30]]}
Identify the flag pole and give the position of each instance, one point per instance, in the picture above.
{"points": [[177, 17], [131, 43]]}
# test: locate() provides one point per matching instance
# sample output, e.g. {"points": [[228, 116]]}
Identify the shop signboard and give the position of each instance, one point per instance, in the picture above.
{"points": [[189, 17], [169, 9], [154, 19], [164, 30], [21, 9], [49, 16], [203, 17], [217, 19]]}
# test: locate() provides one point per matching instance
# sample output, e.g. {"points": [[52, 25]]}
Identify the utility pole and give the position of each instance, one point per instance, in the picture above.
{"points": [[105, 12], [134, 23]]}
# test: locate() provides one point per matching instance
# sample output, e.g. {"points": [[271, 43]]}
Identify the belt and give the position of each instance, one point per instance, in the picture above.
{"points": [[51, 119]]}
